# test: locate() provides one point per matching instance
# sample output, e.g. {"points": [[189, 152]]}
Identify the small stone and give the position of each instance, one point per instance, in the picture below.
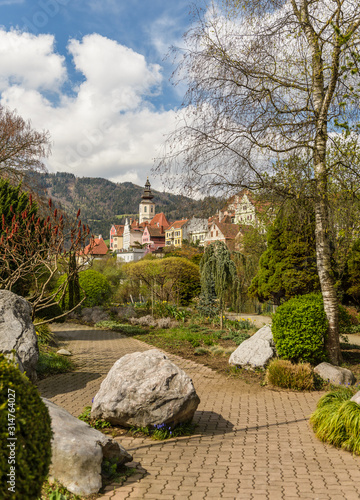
{"points": [[64, 352], [255, 352], [335, 374]]}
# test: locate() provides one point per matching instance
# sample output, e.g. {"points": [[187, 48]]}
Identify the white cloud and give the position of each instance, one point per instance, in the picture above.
{"points": [[108, 128], [30, 61]]}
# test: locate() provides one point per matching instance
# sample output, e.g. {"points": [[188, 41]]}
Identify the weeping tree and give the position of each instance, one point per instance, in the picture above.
{"points": [[217, 274], [267, 80]]}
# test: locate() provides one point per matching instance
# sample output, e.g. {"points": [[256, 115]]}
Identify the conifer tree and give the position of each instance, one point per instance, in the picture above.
{"points": [[288, 266]]}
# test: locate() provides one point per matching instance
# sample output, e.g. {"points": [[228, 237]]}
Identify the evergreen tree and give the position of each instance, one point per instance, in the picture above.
{"points": [[288, 266]]}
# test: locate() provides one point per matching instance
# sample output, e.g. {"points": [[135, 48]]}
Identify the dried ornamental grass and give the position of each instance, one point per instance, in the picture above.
{"points": [[283, 373]]}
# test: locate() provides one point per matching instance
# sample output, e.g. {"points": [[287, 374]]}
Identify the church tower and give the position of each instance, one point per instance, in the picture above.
{"points": [[147, 206]]}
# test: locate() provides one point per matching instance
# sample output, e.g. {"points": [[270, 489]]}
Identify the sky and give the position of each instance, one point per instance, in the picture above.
{"points": [[94, 73]]}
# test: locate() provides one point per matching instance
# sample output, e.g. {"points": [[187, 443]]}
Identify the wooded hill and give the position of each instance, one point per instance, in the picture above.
{"points": [[103, 202]]}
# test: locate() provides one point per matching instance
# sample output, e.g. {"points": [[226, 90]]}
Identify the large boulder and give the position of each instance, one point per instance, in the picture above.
{"points": [[145, 389], [335, 374], [255, 352], [18, 333], [78, 451]]}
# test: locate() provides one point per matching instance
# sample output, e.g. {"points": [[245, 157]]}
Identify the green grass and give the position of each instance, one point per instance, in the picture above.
{"points": [[55, 491], [120, 327], [50, 363], [336, 420], [96, 423]]}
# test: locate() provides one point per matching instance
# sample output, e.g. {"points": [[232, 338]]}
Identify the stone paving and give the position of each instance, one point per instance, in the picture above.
{"points": [[250, 443]]}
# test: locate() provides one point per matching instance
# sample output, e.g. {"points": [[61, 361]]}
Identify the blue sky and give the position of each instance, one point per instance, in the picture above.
{"points": [[93, 73]]}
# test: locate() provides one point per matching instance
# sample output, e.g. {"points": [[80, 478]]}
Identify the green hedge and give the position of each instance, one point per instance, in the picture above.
{"points": [[95, 286], [30, 423], [299, 329]]}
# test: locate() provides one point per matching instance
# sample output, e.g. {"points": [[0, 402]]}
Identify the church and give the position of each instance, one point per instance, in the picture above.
{"points": [[147, 232]]}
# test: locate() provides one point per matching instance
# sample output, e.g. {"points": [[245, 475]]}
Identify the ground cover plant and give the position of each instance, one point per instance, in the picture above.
{"points": [[197, 338], [158, 432], [336, 420]]}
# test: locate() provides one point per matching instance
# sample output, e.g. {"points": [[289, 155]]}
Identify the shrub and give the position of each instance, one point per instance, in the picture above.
{"points": [[32, 429], [43, 332], [299, 328], [345, 321], [336, 420], [93, 285], [283, 373]]}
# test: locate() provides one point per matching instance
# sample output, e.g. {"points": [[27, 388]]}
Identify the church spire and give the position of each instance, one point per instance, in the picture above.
{"points": [[147, 195]]}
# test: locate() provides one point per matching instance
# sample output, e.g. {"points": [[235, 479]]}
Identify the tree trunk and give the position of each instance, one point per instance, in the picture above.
{"points": [[323, 257]]}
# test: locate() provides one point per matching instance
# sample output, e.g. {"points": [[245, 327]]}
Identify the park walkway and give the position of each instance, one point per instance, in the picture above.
{"points": [[250, 443]]}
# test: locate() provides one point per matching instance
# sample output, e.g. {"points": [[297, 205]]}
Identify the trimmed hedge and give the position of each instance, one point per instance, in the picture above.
{"points": [[299, 329], [30, 454]]}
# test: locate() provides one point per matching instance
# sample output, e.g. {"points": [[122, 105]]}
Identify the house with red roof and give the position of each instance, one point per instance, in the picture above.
{"points": [[96, 249], [226, 232]]}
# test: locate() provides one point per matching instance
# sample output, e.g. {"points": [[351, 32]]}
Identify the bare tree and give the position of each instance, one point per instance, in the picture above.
{"points": [[268, 80], [21, 147]]}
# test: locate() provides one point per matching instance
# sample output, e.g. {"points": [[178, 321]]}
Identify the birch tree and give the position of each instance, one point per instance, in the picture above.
{"points": [[268, 80]]}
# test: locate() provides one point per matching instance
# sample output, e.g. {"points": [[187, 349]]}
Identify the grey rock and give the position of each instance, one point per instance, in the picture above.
{"points": [[64, 352], [255, 352], [145, 388], [78, 451], [17, 332], [356, 398], [335, 374]]}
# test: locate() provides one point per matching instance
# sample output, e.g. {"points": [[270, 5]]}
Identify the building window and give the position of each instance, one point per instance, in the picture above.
{"points": [[217, 233], [212, 234], [145, 207], [152, 209]]}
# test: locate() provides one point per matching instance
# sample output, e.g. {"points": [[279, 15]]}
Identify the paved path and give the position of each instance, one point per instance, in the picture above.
{"points": [[251, 443]]}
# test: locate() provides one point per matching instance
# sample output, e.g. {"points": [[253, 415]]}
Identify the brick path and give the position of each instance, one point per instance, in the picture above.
{"points": [[251, 443]]}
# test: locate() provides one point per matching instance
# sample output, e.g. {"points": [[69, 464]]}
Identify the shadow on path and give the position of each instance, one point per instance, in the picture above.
{"points": [[65, 383]]}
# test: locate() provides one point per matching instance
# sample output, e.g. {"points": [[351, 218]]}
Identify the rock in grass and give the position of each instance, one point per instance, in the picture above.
{"points": [[356, 398], [255, 352], [335, 374], [145, 389], [64, 352], [17, 332], [78, 451]]}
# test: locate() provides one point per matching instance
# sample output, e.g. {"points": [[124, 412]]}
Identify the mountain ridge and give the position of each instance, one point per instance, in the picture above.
{"points": [[101, 201]]}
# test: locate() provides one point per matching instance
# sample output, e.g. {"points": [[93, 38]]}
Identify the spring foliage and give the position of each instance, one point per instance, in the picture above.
{"points": [[336, 420], [93, 286], [299, 329], [217, 272]]}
